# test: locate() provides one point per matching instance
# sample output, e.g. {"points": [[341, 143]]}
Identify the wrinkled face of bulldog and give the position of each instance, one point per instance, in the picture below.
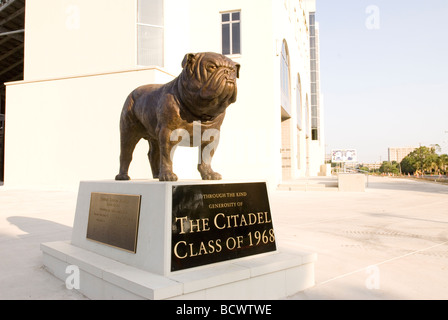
{"points": [[211, 83]]}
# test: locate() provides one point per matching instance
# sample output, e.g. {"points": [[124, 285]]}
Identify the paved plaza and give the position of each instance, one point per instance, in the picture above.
{"points": [[390, 242]]}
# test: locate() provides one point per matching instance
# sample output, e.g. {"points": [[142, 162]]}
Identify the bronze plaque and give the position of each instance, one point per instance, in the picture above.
{"points": [[218, 222], [113, 220]]}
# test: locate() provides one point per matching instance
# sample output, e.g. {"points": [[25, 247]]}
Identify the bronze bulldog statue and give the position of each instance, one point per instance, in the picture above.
{"points": [[197, 98]]}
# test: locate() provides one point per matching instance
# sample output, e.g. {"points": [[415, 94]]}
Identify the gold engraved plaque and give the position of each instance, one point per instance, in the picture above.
{"points": [[113, 220], [219, 222]]}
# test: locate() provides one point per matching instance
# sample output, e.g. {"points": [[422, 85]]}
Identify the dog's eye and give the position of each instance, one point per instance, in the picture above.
{"points": [[211, 67]]}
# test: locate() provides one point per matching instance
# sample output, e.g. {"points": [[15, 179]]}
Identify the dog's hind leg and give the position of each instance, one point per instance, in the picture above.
{"points": [[154, 158], [128, 142]]}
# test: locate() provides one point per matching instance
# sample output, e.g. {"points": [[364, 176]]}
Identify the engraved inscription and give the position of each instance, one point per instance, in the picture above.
{"points": [[113, 220], [218, 222]]}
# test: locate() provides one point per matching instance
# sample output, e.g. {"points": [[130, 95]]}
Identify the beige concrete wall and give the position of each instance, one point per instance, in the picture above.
{"points": [[72, 37], [65, 130], [291, 19], [251, 136]]}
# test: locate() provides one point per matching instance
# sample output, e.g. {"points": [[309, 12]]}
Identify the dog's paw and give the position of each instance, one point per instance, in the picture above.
{"points": [[207, 173], [211, 176], [167, 176], [122, 177]]}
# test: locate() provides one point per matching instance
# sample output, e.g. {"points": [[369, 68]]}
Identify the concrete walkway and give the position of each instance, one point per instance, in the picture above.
{"points": [[390, 242]]}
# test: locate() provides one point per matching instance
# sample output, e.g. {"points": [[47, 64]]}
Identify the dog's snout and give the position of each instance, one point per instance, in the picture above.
{"points": [[230, 73]]}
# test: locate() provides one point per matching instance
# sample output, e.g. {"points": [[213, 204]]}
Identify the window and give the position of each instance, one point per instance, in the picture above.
{"points": [[299, 102], [150, 33], [314, 134], [284, 80], [231, 32], [314, 68]]}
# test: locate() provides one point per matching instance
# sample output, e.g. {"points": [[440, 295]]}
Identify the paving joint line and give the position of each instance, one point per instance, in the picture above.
{"points": [[380, 263]]}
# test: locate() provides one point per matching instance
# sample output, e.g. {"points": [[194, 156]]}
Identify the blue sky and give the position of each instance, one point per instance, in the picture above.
{"points": [[384, 83]]}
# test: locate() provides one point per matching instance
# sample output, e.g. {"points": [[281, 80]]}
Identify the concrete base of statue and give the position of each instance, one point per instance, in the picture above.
{"points": [[166, 262], [352, 182]]}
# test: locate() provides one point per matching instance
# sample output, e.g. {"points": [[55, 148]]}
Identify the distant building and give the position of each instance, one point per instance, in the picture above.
{"points": [[372, 166], [398, 154]]}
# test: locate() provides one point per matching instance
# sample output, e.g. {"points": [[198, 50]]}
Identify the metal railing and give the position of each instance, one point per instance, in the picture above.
{"points": [[435, 178]]}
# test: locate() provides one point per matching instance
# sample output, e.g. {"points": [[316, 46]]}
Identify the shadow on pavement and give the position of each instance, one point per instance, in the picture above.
{"points": [[43, 230]]}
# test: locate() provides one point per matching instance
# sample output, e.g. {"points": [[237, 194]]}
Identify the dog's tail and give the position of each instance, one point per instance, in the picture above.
{"points": [[129, 103], [127, 113]]}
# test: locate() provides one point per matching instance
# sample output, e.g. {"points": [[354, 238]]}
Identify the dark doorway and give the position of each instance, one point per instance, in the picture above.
{"points": [[12, 25]]}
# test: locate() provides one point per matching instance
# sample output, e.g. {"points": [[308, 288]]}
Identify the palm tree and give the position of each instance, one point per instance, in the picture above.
{"points": [[432, 163], [443, 163]]}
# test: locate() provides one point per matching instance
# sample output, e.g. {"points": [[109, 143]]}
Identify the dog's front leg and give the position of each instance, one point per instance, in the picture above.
{"points": [[207, 150], [166, 163]]}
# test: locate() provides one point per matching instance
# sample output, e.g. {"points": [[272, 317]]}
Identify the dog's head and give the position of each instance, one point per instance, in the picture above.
{"points": [[208, 83]]}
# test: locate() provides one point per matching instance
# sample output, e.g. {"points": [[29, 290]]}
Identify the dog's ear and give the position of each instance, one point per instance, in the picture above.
{"points": [[188, 59], [237, 66]]}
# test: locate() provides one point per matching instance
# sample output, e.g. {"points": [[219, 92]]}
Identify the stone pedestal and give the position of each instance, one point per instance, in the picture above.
{"points": [[352, 182], [178, 254]]}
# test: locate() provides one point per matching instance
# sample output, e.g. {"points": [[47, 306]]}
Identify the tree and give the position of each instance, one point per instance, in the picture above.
{"points": [[432, 163], [424, 160], [388, 167], [407, 165], [443, 163], [420, 156]]}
